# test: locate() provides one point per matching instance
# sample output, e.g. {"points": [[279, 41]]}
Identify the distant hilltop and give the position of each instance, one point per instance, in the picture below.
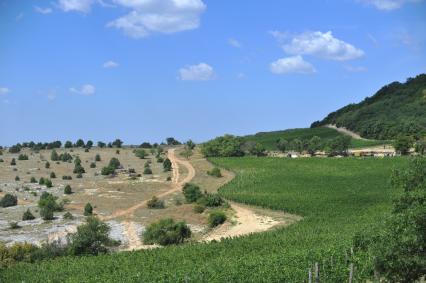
{"points": [[396, 109]]}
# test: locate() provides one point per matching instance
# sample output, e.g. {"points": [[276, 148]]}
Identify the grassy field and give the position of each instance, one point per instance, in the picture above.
{"points": [[336, 197], [269, 139]]}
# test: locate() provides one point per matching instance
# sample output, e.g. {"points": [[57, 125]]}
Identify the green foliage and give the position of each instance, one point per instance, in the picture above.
{"points": [[167, 165], [114, 163], [14, 225], [41, 181], [339, 145], [89, 144], [314, 144], [27, 215], [93, 165], [210, 200], [33, 180], [68, 216], [225, 146], [420, 147], [79, 143], [147, 171], [254, 148], [403, 144], [91, 238], [48, 183], [66, 177], [190, 144], [166, 232], [199, 208], [65, 157], [282, 144], [78, 169], [13, 162], [101, 144], [67, 190], [48, 205], [396, 109], [117, 143], [97, 157], [54, 156], [8, 200], [22, 157], [107, 170], [155, 202], [17, 179], [88, 209], [47, 165], [191, 192], [172, 141], [215, 172], [216, 218], [68, 144], [141, 153], [52, 175]]}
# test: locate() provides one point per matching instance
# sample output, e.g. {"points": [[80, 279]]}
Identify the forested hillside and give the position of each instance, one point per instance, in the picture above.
{"points": [[396, 109]]}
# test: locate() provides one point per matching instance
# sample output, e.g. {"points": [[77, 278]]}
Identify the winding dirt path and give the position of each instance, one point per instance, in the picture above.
{"points": [[176, 185], [346, 132]]}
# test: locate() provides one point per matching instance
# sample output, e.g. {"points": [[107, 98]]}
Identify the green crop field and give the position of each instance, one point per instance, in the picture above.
{"points": [[269, 139], [336, 197]]}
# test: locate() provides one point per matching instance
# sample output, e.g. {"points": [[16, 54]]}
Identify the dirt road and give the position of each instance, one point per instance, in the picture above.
{"points": [[346, 132], [175, 187]]}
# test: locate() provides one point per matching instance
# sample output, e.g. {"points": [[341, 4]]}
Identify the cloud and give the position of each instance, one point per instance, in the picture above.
{"points": [[200, 72], [158, 16], [322, 45], [4, 90], [43, 11], [83, 6], [86, 89], [235, 43], [294, 64], [110, 64], [388, 5]]}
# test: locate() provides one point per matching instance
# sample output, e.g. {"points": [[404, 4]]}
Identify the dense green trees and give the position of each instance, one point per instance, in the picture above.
{"points": [[225, 146], [403, 144], [68, 144], [117, 143], [172, 141], [282, 145], [396, 109], [166, 232], [79, 143], [339, 145], [420, 147], [101, 144], [141, 153]]}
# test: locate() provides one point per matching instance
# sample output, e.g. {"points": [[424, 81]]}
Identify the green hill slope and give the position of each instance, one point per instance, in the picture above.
{"points": [[398, 108], [269, 139]]}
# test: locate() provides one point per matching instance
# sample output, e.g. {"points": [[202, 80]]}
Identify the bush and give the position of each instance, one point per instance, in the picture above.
{"points": [[1, 160], [67, 190], [226, 146], [48, 206], [13, 162], [166, 232], [17, 179], [141, 153], [107, 170], [66, 177], [216, 218], [41, 181], [155, 203], [114, 163], [54, 156], [211, 200], [199, 208], [97, 158], [215, 172], [91, 238], [68, 144], [48, 183], [88, 209], [147, 171], [8, 200], [403, 144], [78, 169], [191, 192], [167, 165], [23, 157], [93, 165], [79, 143], [47, 165], [52, 175], [14, 225], [68, 216], [160, 159], [27, 215], [33, 180]]}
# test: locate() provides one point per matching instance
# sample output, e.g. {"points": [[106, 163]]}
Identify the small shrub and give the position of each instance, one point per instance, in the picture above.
{"points": [[1, 160], [160, 159], [169, 178], [66, 177], [33, 180], [199, 208], [97, 158], [48, 183], [93, 165], [210, 200], [27, 215], [23, 157], [86, 150], [147, 171], [68, 216], [52, 175], [215, 172], [78, 169], [117, 151], [191, 192], [167, 232], [167, 165], [107, 170], [17, 178], [13, 162], [67, 190], [8, 200], [47, 165], [155, 203], [79, 176], [41, 181], [88, 209], [141, 153], [216, 218], [114, 163]]}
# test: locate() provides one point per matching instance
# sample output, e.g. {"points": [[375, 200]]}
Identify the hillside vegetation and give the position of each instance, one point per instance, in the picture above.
{"points": [[396, 109], [269, 139], [336, 197]]}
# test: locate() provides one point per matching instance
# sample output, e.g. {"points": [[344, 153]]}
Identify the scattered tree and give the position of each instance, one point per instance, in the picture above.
{"points": [[22, 157], [68, 144], [67, 190], [141, 153], [282, 145], [155, 202], [28, 215], [54, 156], [166, 232], [215, 172], [117, 143], [52, 175], [79, 143], [403, 144], [97, 158], [13, 162], [8, 200], [93, 165], [167, 165], [216, 218], [191, 192], [88, 209], [47, 165]]}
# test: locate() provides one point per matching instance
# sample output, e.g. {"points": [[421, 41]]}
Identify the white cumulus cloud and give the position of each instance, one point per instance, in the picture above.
{"points": [[86, 89], [294, 64], [388, 5], [4, 90], [43, 11], [161, 16], [322, 45], [200, 72], [83, 6], [110, 64]]}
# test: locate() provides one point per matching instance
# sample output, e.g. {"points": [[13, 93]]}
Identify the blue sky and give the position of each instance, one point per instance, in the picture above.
{"points": [[143, 70]]}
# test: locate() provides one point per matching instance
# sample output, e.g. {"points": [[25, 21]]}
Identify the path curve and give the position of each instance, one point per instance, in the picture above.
{"points": [[346, 132]]}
